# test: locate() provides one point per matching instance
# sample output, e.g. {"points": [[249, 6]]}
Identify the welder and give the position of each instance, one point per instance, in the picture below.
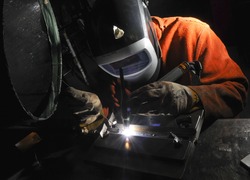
{"points": [[122, 35]]}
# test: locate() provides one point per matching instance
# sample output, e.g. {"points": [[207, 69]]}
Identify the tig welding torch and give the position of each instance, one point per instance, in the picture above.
{"points": [[195, 67], [124, 101]]}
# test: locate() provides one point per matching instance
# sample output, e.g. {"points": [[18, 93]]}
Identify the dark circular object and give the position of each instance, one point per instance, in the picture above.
{"points": [[31, 83]]}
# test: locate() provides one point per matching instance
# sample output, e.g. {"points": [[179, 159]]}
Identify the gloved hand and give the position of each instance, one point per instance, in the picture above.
{"points": [[163, 97], [85, 106]]}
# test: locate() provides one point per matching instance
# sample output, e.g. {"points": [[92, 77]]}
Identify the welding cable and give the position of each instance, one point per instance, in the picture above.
{"points": [[76, 61]]}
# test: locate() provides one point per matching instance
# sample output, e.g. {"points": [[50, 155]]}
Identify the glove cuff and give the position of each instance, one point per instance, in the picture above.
{"points": [[196, 103]]}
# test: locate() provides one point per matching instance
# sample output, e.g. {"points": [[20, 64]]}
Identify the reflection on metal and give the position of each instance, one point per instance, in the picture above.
{"points": [[127, 144]]}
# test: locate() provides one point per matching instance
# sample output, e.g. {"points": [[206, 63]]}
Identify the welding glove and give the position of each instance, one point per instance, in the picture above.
{"points": [[163, 97], [86, 107]]}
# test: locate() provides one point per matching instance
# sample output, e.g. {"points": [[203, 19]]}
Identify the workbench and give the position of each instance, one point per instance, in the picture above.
{"points": [[217, 155], [219, 151]]}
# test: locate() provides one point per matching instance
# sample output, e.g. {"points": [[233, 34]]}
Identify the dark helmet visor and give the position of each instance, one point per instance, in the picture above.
{"points": [[109, 13]]}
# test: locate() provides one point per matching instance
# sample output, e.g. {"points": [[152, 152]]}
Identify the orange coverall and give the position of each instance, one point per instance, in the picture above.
{"points": [[223, 86]]}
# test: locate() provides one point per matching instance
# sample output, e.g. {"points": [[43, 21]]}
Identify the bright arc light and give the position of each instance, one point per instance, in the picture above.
{"points": [[128, 132]]}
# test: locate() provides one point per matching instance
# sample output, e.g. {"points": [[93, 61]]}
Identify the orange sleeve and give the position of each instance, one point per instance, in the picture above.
{"points": [[223, 86]]}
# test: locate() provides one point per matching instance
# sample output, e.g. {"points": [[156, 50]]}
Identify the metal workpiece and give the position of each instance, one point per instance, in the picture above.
{"points": [[162, 144]]}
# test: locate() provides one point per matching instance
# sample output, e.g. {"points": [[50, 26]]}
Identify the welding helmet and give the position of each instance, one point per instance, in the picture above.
{"points": [[121, 36]]}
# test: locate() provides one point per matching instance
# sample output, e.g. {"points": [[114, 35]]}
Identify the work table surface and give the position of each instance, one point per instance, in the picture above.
{"points": [[217, 155], [219, 151]]}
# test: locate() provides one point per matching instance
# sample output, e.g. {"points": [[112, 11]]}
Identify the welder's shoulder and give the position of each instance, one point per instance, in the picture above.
{"points": [[191, 21], [180, 20], [186, 24]]}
